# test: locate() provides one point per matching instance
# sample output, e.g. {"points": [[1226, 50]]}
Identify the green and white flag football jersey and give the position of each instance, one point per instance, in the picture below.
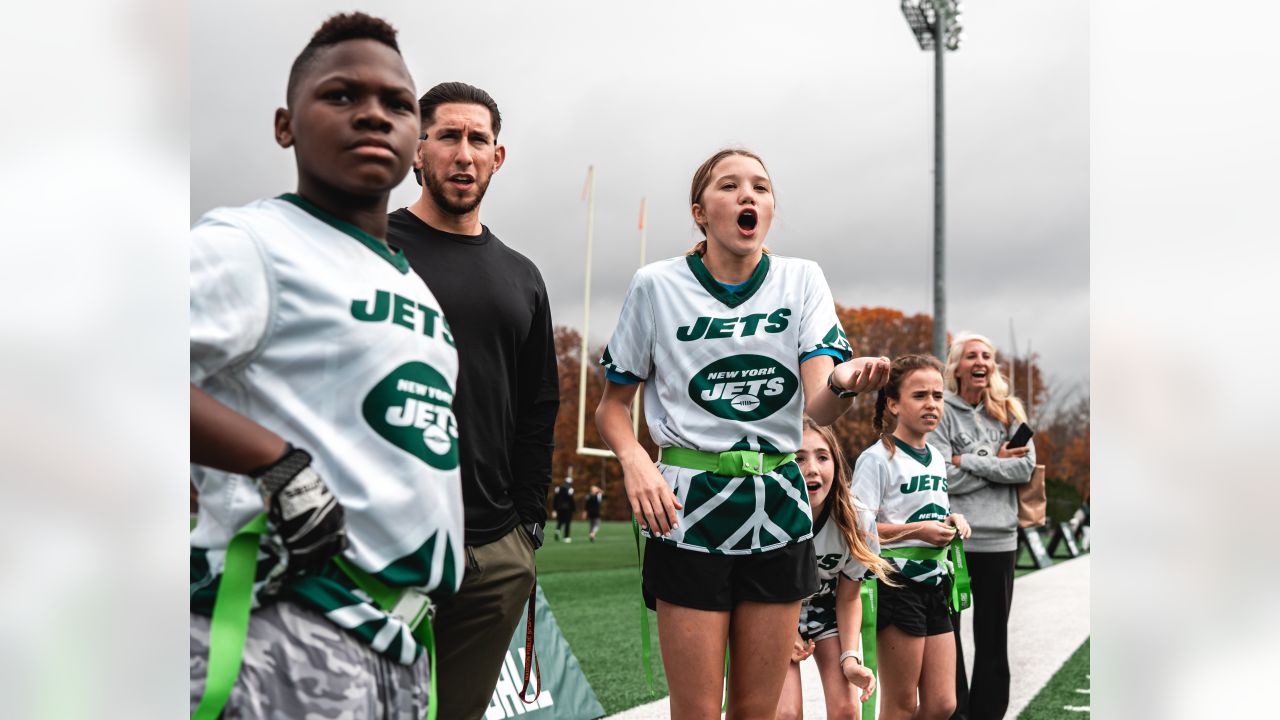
{"points": [[909, 487], [818, 611], [317, 331], [722, 372]]}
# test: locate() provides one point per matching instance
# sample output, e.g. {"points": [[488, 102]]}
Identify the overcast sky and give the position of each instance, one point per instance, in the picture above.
{"points": [[836, 96]]}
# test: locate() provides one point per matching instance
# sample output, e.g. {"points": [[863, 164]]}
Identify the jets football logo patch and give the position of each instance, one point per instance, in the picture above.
{"points": [[743, 387], [412, 408]]}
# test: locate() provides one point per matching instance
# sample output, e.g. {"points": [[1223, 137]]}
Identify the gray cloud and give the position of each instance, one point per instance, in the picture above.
{"points": [[837, 98]]}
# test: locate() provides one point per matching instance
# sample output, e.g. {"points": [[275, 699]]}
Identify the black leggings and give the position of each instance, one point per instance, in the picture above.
{"points": [[987, 697]]}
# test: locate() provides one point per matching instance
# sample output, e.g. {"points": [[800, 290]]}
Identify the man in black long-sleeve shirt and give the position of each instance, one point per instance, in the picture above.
{"points": [[497, 310]]}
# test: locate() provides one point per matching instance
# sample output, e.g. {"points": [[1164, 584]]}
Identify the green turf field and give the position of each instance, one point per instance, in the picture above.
{"points": [[1067, 693], [594, 591]]}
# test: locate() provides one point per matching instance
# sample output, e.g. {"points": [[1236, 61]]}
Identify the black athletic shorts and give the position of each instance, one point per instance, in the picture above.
{"points": [[914, 608], [708, 581]]}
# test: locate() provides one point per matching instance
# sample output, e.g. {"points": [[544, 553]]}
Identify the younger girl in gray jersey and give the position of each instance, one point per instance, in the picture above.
{"points": [[905, 481], [846, 548]]}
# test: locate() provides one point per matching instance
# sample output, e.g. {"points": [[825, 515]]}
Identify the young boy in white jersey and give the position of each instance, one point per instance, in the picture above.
{"points": [[846, 547], [323, 443], [905, 481], [733, 345]]}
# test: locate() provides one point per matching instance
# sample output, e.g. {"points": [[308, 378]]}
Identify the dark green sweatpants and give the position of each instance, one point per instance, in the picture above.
{"points": [[474, 627]]}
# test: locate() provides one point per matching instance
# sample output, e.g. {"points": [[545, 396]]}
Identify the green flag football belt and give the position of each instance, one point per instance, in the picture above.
{"points": [[870, 657], [229, 626], [735, 463], [957, 565]]}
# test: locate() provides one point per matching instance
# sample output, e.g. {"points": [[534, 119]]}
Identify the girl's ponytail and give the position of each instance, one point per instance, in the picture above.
{"points": [[883, 431]]}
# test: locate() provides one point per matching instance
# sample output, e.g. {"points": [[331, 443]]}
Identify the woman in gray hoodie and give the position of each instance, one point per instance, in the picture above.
{"points": [[983, 475]]}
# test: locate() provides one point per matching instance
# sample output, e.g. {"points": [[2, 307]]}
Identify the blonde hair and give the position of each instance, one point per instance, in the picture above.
{"points": [[702, 178], [1000, 402], [840, 502]]}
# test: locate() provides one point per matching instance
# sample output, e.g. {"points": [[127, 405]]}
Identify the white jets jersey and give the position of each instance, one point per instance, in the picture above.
{"points": [[722, 372], [910, 486], [722, 368], [831, 551], [818, 611], [317, 331]]}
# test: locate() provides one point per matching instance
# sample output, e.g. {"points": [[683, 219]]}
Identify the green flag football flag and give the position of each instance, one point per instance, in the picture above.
{"points": [[566, 694]]}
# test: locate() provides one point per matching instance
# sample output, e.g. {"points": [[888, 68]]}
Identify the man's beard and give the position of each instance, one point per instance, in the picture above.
{"points": [[444, 203]]}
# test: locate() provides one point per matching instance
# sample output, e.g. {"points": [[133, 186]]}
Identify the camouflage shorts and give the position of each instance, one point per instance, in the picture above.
{"points": [[298, 664], [818, 617]]}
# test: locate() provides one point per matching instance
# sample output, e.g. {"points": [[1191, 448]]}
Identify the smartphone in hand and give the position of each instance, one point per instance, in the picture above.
{"points": [[1021, 437]]}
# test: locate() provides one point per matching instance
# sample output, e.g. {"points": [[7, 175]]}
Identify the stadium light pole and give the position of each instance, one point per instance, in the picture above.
{"points": [[936, 25]]}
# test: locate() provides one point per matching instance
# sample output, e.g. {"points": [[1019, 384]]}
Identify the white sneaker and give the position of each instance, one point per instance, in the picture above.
{"points": [[568, 539]]}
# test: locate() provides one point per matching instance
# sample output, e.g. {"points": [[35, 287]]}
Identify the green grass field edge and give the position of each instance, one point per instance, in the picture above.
{"points": [[1067, 693]]}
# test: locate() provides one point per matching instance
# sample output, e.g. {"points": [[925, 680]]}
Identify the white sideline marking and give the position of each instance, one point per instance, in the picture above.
{"points": [[1074, 708]]}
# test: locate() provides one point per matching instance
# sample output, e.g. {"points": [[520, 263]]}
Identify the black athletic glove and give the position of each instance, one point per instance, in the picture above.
{"points": [[303, 511]]}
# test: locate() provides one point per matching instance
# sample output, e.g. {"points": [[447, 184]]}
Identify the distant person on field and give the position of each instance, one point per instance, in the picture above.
{"points": [[564, 506], [984, 477], [592, 511]]}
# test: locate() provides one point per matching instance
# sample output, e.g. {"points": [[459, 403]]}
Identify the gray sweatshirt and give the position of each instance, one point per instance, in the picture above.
{"points": [[984, 488]]}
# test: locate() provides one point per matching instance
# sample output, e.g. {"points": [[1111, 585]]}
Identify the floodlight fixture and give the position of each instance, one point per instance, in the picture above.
{"points": [[924, 18]]}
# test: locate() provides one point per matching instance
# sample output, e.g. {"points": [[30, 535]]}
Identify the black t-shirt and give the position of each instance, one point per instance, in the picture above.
{"points": [[508, 388], [594, 500], [563, 501]]}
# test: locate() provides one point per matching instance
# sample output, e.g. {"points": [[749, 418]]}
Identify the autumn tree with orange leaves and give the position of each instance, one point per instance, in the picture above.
{"points": [[587, 470]]}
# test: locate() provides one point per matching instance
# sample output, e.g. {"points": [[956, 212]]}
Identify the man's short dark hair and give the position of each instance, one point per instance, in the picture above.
{"points": [[340, 28], [456, 92]]}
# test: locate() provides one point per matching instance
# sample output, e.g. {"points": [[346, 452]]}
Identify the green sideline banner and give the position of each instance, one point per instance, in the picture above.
{"points": [[566, 694]]}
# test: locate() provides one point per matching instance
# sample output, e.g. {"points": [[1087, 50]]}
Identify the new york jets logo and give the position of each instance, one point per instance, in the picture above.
{"points": [[412, 408], [932, 511], [743, 387]]}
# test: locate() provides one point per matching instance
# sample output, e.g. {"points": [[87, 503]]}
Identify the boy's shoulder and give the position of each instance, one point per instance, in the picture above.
{"points": [[260, 208]]}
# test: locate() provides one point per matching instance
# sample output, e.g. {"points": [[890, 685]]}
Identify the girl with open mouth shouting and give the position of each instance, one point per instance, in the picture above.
{"points": [[733, 345], [846, 547]]}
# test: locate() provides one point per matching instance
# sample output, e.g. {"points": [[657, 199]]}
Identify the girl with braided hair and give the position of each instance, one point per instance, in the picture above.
{"points": [[847, 552], [904, 480]]}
